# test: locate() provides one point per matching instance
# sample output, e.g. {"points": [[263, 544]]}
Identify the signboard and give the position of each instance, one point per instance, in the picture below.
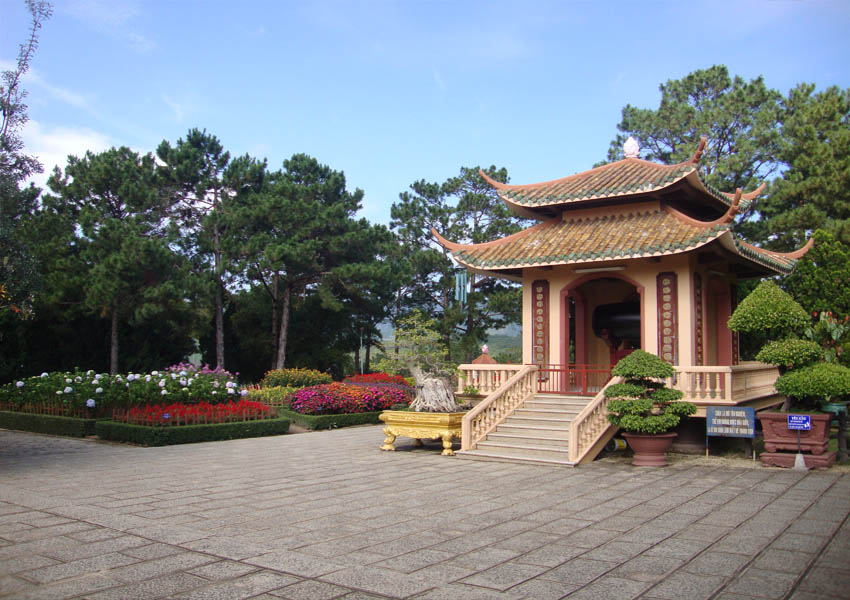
{"points": [[728, 421], [800, 422]]}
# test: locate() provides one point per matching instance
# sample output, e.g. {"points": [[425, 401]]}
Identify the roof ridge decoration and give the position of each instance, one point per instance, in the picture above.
{"points": [[727, 218], [698, 154]]}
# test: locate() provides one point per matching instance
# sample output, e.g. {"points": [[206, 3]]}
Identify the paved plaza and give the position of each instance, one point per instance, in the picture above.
{"points": [[328, 515]]}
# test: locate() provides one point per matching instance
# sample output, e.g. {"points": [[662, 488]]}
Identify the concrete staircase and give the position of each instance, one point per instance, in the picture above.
{"points": [[537, 432]]}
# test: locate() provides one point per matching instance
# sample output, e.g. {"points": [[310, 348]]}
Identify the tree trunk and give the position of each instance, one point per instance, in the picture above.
{"points": [[219, 300], [433, 394], [284, 328], [357, 368], [368, 367], [275, 313], [113, 342]]}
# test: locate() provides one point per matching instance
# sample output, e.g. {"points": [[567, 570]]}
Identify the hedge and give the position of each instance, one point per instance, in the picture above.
{"points": [[67, 426], [331, 421], [189, 434]]}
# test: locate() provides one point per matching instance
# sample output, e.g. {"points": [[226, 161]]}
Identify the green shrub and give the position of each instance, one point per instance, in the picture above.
{"points": [[271, 396], [297, 378], [790, 353], [330, 421], [771, 310], [815, 384], [643, 404], [188, 434], [67, 426]]}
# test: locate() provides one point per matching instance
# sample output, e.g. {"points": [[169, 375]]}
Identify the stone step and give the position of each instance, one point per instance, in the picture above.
{"points": [[533, 430], [533, 438], [505, 455], [538, 421], [555, 413], [528, 451]]}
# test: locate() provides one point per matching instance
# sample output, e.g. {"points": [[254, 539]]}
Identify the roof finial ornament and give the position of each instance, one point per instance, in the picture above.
{"points": [[631, 148]]}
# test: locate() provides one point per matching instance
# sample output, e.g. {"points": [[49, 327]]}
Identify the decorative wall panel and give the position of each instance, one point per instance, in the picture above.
{"points": [[668, 322], [699, 325], [733, 298], [540, 318]]}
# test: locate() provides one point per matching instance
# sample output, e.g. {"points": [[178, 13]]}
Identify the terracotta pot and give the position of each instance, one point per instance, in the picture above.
{"points": [[777, 436], [650, 450]]}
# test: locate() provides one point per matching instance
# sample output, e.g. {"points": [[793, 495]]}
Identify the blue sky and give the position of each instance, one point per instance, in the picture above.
{"points": [[391, 92]]}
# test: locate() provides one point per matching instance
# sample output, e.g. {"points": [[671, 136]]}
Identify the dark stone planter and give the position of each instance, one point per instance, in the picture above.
{"points": [[650, 450], [777, 436]]}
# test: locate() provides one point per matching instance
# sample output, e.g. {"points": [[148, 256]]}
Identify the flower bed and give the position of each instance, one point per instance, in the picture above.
{"points": [[93, 395], [179, 414], [377, 378], [316, 422], [339, 398]]}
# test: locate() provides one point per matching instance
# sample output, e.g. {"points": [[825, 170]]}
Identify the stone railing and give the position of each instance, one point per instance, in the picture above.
{"points": [[590, 426], [498, 405], [745, 383], [485, 378]]}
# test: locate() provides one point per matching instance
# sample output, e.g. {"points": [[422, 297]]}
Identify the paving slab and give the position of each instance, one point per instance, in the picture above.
{"points": [[327, 515]]}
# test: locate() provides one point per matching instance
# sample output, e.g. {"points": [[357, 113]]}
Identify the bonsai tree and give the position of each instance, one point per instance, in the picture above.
{"points": [[643, 404], [805, 379], [426, 359]]}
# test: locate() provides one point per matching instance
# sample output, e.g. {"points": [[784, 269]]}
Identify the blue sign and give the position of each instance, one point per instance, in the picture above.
{"points": [[730, 421], [800, 422]]}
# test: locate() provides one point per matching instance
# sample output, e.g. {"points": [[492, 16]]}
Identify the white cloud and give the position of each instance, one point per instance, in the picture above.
{"points": [[176, 107], [114, 18], [52, 145]]}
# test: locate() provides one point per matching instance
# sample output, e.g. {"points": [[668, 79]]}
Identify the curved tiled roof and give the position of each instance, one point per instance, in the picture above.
{"points": [[654, 231]]}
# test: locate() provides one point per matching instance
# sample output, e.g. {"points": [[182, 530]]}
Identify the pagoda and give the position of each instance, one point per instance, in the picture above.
{"points": [[631, 254]]}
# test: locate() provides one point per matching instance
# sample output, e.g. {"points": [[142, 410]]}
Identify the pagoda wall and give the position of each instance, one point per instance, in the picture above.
{"points": [[643, 274]]}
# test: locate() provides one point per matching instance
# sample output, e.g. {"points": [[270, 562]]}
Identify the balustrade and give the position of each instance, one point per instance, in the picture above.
{"points": [[498, 405]]}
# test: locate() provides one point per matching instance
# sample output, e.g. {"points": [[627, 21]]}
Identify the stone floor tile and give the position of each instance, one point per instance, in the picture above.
{"points": [[799, 542], [553, 555], [160, 566], [465, 592], [543, 589], [247, 586], [783, 560], [579, 571], [150, 589], [224, 569], [827, 582], [763, 584], [302, 565], [505, 575], [647, 568], [379, 581], [79, 586], [709, 562], [686, 585], [77, 568], [609, 587], [311, 590], [24, 563]]}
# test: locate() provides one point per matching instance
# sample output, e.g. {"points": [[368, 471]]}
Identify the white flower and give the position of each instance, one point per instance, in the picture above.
{"points": [[90, 372], [243, 393], [215, 384], [183, 373], [90, 402], [20, 384], [164, 392], [98, 391], [189, 382], [162, 383], [154, 372], [214, 392], [59, 392], [78, 379], [68, 389], [230, 384], [68, 380], [43, 375], [174, 375], [147, 377], [183, 381], [131, 377], [185, 389], [230, 391]]}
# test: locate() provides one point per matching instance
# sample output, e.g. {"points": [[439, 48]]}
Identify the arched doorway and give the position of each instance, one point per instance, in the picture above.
{"points": [[602, 317]]}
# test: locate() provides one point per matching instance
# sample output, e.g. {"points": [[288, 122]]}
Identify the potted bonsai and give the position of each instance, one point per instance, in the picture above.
{"points": [[806, 380], [644, 408], [433, 412]]}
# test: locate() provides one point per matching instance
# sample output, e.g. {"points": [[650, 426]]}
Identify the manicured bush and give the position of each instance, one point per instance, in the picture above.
{"points": [[376, 378], [339, 398], [271, 396], [790, 353], [54, 425], [317, 422], [188, 434], [642, 404], [297, 378], [814, 384], [771, 310]]}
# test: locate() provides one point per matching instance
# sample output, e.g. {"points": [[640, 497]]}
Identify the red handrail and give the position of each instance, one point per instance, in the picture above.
{"points": [[573, 379]]}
